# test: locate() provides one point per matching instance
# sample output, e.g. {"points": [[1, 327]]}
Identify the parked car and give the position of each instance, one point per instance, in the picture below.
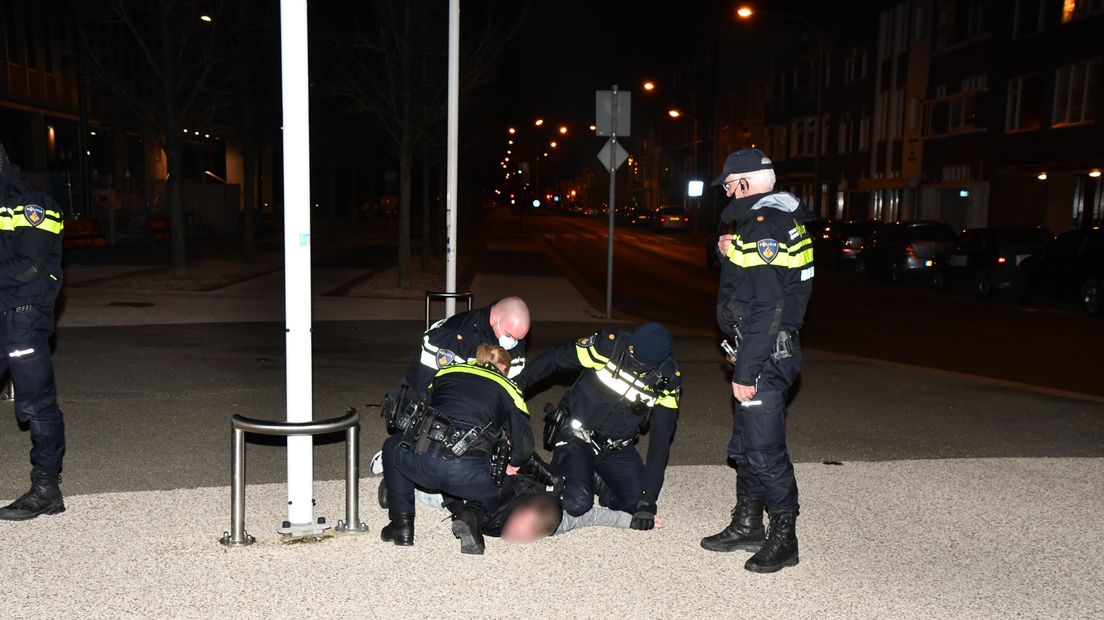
{"points": [[1070, 266], [986, 258], [639, 217], [671, 218], [841, 243], [901, 249]]}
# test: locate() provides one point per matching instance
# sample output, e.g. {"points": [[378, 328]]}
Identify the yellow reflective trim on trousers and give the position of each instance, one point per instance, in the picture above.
{"points": [[506, 384]]}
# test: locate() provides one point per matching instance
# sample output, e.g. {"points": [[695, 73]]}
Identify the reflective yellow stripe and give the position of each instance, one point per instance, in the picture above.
{"points": [[471, 369], [590, 358], [11, 219], [669, 400], [747, 255]]}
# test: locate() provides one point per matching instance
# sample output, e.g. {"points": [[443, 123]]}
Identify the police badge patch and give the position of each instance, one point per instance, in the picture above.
{"points": [[445, 357], [34, 214], [768, 249], [586, 342]]}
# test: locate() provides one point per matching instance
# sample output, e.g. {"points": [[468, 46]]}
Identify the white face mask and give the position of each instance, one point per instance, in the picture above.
{"points": [[504, 341]]}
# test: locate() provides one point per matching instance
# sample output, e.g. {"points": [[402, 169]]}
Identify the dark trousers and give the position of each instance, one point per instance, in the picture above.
{"points": [[467, 477], [621, 470], [758, 446], [25, 337]]}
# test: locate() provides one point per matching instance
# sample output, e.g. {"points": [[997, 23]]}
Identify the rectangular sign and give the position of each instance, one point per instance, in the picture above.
{"points": [[604, 103]]}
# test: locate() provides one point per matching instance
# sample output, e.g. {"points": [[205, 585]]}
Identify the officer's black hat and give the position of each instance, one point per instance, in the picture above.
{"points": [[651, 343], [742, 161]]}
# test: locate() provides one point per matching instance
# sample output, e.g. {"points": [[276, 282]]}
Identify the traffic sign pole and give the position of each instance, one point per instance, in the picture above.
{"points": [[612, 208]]}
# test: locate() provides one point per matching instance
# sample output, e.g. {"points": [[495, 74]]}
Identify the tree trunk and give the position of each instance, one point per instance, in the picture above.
{"points": [[406, 165], [249, 200], [427, 213], [176, 209]]}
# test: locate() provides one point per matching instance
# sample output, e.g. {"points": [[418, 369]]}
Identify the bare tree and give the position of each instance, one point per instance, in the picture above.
{"points": [[169, 63], [395, 72]]}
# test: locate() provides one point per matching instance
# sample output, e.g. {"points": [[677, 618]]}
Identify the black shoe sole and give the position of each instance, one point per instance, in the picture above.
{"points": [[398, 542], [469, 543], [53, 510], [753, 547], [773, 568]]}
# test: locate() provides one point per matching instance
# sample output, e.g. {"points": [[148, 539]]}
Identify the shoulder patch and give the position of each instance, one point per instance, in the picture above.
{"points": [[586, 342], [445, 357], [35, 214], [768, 249]]}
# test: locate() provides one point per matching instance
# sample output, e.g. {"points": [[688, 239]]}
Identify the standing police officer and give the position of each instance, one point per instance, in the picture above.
{"points": [[30, 278], [627, 381], [766, 279]]}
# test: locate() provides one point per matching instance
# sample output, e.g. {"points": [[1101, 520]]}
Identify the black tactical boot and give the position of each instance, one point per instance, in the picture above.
{"points": [[44, 498], [400, 531], [465, 526], [780, 550], [745, 532], [381, 494]]}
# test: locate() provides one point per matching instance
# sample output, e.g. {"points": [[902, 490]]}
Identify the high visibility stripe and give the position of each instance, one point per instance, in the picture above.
{"points": [[13, 219], [471, 369], [669, 400], [624, 388], [589, 358]]}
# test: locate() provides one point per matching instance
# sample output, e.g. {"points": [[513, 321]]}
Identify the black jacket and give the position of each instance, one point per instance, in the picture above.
{"points": [[606, 391], [456, 339], [479, 395], [767, 276], [30, 242]]}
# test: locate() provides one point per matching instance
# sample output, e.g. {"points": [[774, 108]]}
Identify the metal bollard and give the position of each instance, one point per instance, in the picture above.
{"points": [[350, 423], [441, 296]]}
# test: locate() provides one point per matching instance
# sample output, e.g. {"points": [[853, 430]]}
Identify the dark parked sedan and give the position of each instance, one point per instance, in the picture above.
{"points": [[986, 258], [1069, 267], [841, 243], [900, 249]]}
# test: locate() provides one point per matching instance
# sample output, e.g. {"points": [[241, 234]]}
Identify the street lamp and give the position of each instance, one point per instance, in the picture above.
{"points": [[511, 131], [552, 144], [649, 86], [745, 12], [538, 122], [563, 130], [205, 18]]}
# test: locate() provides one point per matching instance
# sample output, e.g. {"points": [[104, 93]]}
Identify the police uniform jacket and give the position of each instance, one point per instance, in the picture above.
{"points": [[767, 276], [613, 400], [477, 395], [456, 339], [30, 243]]}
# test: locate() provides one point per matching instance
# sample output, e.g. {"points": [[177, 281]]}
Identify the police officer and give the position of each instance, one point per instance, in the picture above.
{"points": [[30, 278], [766, 279], [456, 339], [627, 381], [472, 409]]}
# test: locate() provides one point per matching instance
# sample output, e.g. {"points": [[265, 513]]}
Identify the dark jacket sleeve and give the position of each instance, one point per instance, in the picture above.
{"points": [[564, 358], [763, 316], [660, 434], [32, 244], [520, 432], [424, 365]]}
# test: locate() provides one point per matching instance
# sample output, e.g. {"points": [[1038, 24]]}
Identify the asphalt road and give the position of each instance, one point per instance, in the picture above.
{"points": [[148, 407], [663, 277]]}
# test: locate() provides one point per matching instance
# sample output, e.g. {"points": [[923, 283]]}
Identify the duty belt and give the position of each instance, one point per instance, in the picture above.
{"points": [[784, 345], [459, 438], [597, 441]]}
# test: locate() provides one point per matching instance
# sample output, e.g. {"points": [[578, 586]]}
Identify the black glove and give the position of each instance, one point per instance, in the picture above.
{"points": [[542, 472], [644, 517]]}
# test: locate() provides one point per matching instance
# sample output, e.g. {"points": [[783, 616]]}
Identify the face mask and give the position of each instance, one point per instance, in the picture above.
{"points": [[504, 341]]}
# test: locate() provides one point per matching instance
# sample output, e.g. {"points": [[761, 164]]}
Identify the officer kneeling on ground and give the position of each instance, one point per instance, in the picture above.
{"points": [[627, 382], [766, 279], [30, 279], [458, 443]]}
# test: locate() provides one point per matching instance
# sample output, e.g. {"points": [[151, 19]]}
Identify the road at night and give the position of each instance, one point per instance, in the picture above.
{"points": [[663, 277]]}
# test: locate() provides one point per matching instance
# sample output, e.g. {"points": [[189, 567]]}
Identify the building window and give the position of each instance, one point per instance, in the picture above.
{"points": [[802, 134], [844, 144], [981, 18], [825, 125], [914, 113], [1024, 107], [864, 131], [854, 66], [1075, 92], [1076, 9], [1029, 17]]}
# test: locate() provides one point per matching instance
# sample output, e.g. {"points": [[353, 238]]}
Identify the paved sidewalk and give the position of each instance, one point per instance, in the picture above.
{"points": [[981, 538]]}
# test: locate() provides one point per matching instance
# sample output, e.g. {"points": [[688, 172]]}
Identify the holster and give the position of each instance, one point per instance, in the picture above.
{"points": [[554, 419], [784, 345]]}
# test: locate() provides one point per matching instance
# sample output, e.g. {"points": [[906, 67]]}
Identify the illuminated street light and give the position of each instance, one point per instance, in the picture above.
{"points": [[538, 122], [509, 142], [553, 145], [205, 18], [563, 130], [1095, 173], [744, 12], [649, 86], [673, 113], [511, 131], [592, 127], [1042, 176]]}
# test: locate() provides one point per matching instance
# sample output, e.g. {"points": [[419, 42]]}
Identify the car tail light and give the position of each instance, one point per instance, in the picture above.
{"points": [[1001, 260], [910, 251], [662, 219], [847, 250]]}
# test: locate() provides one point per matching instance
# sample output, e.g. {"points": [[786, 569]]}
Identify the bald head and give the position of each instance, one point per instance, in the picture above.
{"points": [[510, 317]]}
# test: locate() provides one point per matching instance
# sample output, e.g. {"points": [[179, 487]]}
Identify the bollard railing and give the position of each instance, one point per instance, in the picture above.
{"points": [[431, 296], [350, 423]]}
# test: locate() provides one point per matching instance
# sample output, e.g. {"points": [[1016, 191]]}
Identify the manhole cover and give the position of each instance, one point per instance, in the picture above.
{"points": [[130, 304]]}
